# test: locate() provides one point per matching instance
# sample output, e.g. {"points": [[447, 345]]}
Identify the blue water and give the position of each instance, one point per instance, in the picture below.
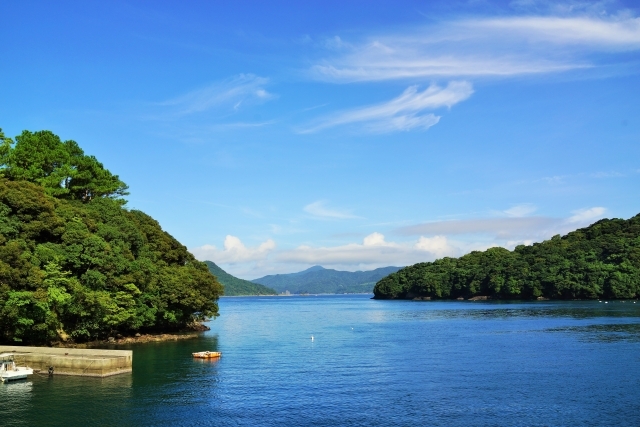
{"points": [[370, 363]]}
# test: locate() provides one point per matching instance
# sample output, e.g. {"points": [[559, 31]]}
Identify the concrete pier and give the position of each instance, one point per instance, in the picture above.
{"points": [[73, 361]]}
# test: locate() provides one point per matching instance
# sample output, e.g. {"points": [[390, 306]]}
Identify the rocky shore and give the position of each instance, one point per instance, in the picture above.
{"points": [[193, 331]]}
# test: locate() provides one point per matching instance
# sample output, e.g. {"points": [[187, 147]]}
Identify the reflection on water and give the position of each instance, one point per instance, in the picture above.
{"points": [[370, 363], [15, 399], [481, 310], [16, 389]]}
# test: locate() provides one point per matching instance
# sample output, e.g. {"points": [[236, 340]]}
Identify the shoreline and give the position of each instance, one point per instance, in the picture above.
{"points": [[194, 331], [296, 295], [143, 338], [490, 299]]}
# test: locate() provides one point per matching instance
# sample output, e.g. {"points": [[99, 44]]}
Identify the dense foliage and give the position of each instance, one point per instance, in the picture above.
{"points": [[234, 286], [61, 168], [600, 261], [74, 263], [319, 280]]}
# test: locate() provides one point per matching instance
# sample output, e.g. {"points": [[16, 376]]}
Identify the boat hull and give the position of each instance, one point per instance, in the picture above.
{"points": [[18, 374]]}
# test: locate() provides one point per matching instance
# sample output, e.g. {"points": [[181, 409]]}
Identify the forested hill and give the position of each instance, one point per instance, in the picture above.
{"points": [[74, 263], [599, 261], [234, 286], [319, 280]]}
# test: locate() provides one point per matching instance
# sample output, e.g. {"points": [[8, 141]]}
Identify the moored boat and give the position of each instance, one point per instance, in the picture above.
{"points": [[9, 371], [207, 354]]}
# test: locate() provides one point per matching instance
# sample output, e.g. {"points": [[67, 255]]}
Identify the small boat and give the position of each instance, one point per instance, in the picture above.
{"points": [[9, 371], [207, 354]]}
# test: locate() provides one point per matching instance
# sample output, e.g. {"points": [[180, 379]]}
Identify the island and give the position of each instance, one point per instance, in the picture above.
{"points": [[596, 262], [75, 263]]}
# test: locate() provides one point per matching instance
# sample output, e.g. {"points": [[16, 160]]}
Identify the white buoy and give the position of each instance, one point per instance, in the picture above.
{"points": [[311, 337]]}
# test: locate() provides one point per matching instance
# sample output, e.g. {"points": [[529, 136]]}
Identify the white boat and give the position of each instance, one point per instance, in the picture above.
{"points": [[9, 371]]}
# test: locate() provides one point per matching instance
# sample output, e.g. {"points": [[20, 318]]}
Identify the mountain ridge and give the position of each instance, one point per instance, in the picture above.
{"points": [[320, 280], [234, 286]]}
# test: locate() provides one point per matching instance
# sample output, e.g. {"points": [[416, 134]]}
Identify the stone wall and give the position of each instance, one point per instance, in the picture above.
{"points": [[72, 361]]}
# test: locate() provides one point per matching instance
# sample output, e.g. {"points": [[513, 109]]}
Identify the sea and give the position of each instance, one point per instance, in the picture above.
{"points": [[349, 360]]}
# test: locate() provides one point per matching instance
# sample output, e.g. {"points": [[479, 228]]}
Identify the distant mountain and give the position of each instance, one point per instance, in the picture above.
{"points": [[320, 280], [234, 286]]}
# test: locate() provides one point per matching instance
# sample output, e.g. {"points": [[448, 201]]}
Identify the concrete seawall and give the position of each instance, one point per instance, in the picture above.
{"points": [[73, 361]]}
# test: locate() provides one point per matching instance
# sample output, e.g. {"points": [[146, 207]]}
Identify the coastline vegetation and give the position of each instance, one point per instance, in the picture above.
{"points": [[234, 286], [75, 264], [599, 261]]}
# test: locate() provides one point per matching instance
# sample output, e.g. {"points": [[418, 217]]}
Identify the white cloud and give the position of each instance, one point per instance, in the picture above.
{"points": [[515, 227], [506, 46], [403, 112], [587, 215], [232, 93], [500, 227], [596, 33], [374, 239], [520, 210], [320, 210], [234, 251], [408, 66], [373, 252], [439, 246]]}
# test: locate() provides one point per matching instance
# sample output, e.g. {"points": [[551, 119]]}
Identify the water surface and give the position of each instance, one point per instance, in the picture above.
{"points": [[369, 363]]}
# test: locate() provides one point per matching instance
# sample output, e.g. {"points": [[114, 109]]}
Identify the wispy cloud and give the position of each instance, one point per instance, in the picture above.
{"points": [[520, 210], [320, 210], [231, 94], [403, 113], [586, 215], [514, 227], [603, 33], [499, 47], [501, 227]]}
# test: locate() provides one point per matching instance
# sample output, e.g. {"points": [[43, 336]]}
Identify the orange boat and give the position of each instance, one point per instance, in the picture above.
{"points": [[207, 354]]}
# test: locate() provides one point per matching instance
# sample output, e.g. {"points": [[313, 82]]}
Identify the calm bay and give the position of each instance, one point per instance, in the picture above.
{"points": [[369, 363]]}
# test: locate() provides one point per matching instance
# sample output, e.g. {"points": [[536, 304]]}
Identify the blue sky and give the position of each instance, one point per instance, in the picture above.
{"points": [[272, 136]]}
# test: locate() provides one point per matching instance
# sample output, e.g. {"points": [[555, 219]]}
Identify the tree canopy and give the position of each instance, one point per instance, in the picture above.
{"points": [[599, 261], [74, 263], [61, 168]]}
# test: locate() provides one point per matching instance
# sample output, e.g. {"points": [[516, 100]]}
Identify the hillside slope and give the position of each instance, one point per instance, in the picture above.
{"points": [[599, 261], [74, 263], [319, 280], [234, 286]]}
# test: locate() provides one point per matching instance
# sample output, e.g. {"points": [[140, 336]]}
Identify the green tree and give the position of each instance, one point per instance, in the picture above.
{"points": [[74, 263], [600, 261], [5, 148], [61, 168]]}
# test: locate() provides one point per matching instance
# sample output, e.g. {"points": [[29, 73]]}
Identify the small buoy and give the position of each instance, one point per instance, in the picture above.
{"points": [[311, 337]]}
